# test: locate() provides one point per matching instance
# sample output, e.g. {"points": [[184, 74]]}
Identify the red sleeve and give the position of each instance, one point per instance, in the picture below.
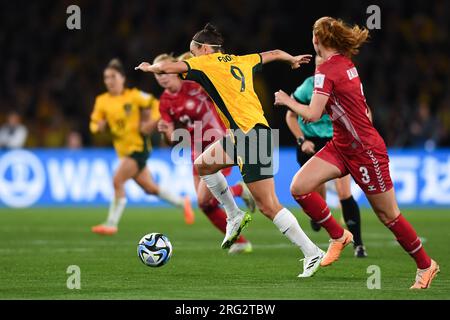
{"points": [[164, 109], [323, 80]]}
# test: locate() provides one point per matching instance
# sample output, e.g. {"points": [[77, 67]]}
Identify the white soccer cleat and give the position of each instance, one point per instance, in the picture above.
{"points": [[244, 247], [234, 228], [247, 197], [311, 264]]}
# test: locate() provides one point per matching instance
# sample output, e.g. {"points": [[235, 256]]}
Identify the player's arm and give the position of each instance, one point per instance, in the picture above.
{"points": [[166, 124], [310, 113], [306, 146], [148, 124], [98, 119], [163, 67], [280, 55], [292, 123], [166, 128]]}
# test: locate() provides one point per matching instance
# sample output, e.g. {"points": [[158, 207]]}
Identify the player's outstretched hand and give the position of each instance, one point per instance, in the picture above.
{"points": [[281, 98], [144, 66], [297, 61]]}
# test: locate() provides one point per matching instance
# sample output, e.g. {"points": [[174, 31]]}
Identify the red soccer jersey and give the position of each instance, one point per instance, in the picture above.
{"points": [[192, 109], [353, 131]]}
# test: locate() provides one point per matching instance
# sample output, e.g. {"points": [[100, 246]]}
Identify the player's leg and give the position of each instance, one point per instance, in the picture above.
{"points": [[263, 192], [126, 170], [302, 159], [145, 181], [351, 213], [385, 206], [238, 190], [210, 206], [209, 165], [313, 174]]}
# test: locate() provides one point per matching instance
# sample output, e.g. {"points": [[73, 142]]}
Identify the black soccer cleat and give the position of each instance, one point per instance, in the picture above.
{"points": [[315, 226], [360, 251]]}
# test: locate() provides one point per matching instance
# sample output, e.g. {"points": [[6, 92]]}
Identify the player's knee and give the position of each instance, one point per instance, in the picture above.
{"points": [[201, 167], [344, 194], [298, 189], [118, 184]]}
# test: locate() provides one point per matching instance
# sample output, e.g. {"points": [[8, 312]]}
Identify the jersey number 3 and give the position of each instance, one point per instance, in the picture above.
{"points": [[239, 75]]}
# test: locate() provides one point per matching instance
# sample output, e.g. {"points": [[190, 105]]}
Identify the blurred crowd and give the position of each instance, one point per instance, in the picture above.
{"points": [[51, 75]]}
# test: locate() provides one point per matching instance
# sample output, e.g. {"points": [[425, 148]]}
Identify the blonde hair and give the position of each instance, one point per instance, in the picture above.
{"points": [[184, 56], [336, 34], [164, 57]]}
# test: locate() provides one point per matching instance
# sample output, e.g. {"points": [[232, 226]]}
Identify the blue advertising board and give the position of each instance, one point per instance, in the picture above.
{"points": [[59, 177]]}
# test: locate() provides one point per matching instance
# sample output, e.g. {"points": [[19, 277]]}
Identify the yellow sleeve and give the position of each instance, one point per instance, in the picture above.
{"points": [[97, 114], [143, 99], [154, 113], [255, 60], [194, 63]]}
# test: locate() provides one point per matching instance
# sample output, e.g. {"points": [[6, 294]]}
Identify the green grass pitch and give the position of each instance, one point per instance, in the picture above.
{"points": [[37, 246]]}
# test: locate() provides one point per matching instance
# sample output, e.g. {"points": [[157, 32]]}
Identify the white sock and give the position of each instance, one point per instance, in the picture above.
{"points": [[288, 225], [170, 197], [218, 186], [115, 211]]}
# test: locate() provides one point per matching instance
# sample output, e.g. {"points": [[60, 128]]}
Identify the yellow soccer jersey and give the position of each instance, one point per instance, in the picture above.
{"points": [[228, 79], [123, 115]]}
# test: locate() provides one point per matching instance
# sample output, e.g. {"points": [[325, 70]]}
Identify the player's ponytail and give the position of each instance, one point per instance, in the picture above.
{"points": [[210, 36], [116, 65], [336, 34]]}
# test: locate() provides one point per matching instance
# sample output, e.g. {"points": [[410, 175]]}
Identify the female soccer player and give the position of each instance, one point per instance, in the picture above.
{"points": [[311, 137], [127, 113], [228, 80], [184, 105], [356, 147]]}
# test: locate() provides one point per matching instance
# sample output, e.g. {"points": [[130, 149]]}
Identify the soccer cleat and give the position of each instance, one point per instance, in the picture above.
{"points": [[335, 248], [242, 247], [247, 197], [315, 226], [104, 230], [234, 228], [360, 251], [189, 216], [311, 264], [425, 276]]}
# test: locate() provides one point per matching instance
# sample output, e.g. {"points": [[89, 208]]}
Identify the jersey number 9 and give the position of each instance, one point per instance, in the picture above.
{"points": [[239, 75]]}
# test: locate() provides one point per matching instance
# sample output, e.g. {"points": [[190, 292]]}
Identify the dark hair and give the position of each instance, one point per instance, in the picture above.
{"points": [[116, 65], [209, 35]]}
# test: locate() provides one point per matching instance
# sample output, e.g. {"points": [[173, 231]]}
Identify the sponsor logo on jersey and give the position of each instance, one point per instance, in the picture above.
{"points": [[319, 80], [352, 73]]}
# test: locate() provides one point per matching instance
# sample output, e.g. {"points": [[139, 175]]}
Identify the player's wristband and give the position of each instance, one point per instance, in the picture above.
{"points": [[300, 141]]}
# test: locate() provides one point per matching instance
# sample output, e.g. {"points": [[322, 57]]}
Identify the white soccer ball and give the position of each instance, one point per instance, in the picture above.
{"points": [[154, 249]]}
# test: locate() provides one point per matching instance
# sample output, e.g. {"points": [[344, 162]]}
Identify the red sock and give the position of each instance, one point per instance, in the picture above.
{"points": [[316, 208], [236, 190], [410, 242], [217, 216]]}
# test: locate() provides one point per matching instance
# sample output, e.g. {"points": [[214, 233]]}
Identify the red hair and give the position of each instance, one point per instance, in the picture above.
{"points": [[336, 34]]}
